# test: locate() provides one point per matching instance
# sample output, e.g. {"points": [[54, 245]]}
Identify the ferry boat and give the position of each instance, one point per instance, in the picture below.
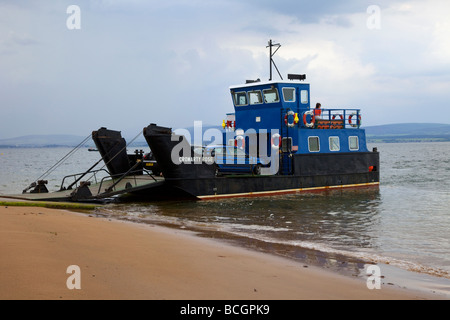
{"points": [[304, 147], [275, 142]]}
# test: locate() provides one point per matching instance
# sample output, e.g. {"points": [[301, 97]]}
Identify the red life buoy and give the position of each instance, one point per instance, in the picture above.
{"points": [[340, 116], [286, 119], [358, 122], [236, 143], [313, 119], [276, 137]]}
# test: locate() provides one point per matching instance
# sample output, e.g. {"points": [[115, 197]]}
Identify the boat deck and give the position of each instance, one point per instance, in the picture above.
{"points": [[107, 188]]}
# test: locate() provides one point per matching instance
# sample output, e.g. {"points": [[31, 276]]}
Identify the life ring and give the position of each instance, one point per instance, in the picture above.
{"points": [[357, 123], [340, 116], [286, 119], [313, 119], [236, 144], [276, 137]]}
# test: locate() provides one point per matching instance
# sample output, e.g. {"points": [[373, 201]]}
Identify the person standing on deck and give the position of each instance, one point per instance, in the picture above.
{"points": [[317, 113]]}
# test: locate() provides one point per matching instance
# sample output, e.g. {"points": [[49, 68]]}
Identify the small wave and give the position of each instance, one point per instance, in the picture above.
{"points": [[368, 257], [265, 233], [253, 227]]}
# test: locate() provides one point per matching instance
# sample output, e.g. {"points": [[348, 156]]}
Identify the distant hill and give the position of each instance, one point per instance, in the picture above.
{"points": [[401, 132], [41, 141], [54, 141], [409, 132]]}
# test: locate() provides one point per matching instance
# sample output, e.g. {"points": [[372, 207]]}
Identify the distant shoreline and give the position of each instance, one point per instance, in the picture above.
{"points": [[387, 139], [389, 133], [407, 139], [57, 146], [370, 139]]}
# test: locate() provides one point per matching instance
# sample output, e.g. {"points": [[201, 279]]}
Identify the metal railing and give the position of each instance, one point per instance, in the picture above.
{"points": [[338, 119], [76, 177], [119, 177]]}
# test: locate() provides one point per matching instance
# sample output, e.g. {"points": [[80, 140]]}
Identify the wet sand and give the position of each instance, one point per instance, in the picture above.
{"points": [[123, 260]]}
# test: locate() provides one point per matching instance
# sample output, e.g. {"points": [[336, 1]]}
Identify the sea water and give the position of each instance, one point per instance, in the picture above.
{"points": [[404, 223]]}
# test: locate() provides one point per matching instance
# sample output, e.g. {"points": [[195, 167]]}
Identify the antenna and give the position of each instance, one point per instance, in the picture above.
{"points": [[271, 44]]}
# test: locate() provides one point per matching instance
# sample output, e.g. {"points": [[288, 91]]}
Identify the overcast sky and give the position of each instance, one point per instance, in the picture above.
{"points": [[171, 62]]}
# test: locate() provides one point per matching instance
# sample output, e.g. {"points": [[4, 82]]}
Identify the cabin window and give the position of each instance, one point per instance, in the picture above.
{"points": [[289, 94], [353, 143], [255, 97], [334, 144], [240, 98], [271, 95], [304, 96], [313, 144]]}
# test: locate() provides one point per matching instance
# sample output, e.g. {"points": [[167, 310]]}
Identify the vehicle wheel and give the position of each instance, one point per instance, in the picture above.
{"points": [[257, 169]]}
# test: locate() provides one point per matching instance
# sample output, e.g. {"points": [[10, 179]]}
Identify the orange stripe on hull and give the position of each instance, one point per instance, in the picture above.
{"points": [[289, 191]]}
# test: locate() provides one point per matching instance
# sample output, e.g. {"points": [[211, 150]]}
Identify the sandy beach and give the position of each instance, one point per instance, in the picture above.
{"points": [[123, 260]]}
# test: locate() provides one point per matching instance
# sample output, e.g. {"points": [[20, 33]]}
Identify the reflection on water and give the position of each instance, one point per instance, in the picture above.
{"points": [[341, 217]]}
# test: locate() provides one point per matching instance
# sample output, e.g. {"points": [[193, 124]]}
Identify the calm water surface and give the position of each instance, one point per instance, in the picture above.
{"points": [[404, 223]]}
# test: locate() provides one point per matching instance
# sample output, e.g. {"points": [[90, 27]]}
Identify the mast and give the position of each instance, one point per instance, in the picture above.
{"points": [[271, 54]]}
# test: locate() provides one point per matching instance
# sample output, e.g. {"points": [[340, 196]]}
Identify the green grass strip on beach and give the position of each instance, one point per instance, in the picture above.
{"points": [[47, 204]]}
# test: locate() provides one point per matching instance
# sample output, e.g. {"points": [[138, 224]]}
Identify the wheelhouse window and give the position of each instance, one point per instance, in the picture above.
{"points": [[353, 143], [271, 95], [240, 98], [334, 144], [313, 144], [255, 97], [289, 94], [304, 96]]}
